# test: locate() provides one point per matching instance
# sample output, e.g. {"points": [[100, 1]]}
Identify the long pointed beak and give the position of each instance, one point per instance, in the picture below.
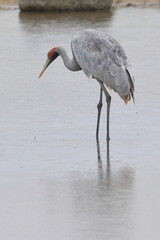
{"points": [[45, 66]]}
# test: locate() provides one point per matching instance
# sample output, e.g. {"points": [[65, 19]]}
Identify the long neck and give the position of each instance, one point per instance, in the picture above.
{"points": [[72, 65]]}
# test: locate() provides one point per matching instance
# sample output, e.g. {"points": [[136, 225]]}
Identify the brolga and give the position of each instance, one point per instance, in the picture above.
{"points": [[102, 58]]}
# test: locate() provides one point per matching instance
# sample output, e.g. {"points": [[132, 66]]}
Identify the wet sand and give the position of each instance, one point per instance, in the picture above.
{"points": [[56, 182]]}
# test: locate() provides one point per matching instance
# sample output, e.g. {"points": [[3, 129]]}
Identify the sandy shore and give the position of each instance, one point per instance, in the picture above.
{"points": [[127, 3], [8, 2], [146, 3]]}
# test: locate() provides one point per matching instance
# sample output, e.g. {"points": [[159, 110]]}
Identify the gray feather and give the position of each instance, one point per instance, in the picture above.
{"points": [[102, 57]]}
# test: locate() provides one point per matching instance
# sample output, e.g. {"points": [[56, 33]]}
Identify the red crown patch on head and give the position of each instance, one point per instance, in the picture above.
{"points": [[51, 52]]}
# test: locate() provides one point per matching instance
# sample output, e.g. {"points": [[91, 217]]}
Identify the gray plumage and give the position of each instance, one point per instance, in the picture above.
{"points": [[101, 57]]}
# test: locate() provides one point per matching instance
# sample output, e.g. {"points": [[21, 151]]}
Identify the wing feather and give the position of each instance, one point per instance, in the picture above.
{"points": [[102, 57]]}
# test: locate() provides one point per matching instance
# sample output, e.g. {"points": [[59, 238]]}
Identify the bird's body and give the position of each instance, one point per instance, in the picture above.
{"points": [[101, 57]]}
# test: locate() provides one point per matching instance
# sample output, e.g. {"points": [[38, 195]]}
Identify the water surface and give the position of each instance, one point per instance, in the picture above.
{"points": [[56, 182]]}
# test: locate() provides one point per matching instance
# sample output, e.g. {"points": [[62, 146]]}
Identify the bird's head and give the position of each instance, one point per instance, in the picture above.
{"points": [[51, 56]]}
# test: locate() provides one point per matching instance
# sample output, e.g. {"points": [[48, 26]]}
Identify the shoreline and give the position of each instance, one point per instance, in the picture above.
{"points": [[136, 3], [13, 4]]}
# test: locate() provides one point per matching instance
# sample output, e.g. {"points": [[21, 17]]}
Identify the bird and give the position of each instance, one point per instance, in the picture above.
{"points": [[102, 58]]}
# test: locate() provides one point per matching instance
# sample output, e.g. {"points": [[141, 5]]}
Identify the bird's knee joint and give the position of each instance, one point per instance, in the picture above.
{"points": [[99, 105]]}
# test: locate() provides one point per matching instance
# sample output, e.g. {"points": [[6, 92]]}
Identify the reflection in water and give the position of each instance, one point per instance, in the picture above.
{"points": [[104, 202], [92, 206], [57, 21], [88, 206], [79, 17]]}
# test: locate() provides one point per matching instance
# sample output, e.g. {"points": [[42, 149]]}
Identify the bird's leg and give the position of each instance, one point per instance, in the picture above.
{"points": [[99, 106], [108, 100]]}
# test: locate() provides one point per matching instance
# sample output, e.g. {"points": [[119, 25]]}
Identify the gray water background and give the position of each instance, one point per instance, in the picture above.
{"points": [[55, 181]]}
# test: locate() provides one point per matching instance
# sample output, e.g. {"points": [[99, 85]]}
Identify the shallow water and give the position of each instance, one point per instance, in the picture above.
{"points": [[56, 182]]}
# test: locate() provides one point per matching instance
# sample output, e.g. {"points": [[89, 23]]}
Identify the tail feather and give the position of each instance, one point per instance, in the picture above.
{"points": [[131, 82], [126, 98], [132, 94]]}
